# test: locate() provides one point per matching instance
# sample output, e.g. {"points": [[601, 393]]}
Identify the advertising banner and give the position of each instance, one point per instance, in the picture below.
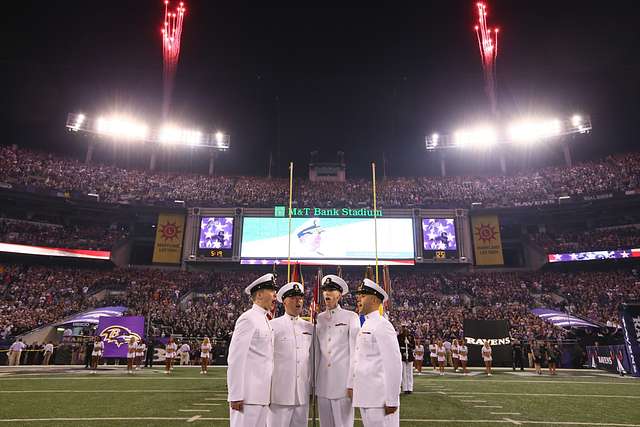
{"points": [[116, 332], [476, 332], [487, 243], [613, 358], [630, 314], [167, 248]]}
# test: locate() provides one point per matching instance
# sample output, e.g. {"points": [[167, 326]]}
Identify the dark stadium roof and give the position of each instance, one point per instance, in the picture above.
{"points": [[290, 80]]}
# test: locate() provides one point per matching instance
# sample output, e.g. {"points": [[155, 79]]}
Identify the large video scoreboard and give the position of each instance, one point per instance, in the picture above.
{"points": [[327, 236]]}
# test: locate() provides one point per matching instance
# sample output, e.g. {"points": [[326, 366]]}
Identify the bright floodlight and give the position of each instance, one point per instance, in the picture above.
{"points": [[480, 137], [576, 120], [532, 130], [79, 120], [175, 135], [121, 127], [219, 137]]}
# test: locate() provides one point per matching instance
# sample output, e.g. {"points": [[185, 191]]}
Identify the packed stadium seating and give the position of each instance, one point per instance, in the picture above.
{"points": [[205, 303], [590, 240], [77, 236], [41, 171]]}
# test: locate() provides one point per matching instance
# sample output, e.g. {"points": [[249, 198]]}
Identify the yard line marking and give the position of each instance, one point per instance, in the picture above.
{"points": [[492, 393], [102, 391], [474, 401], [22, 420], [504, 413], [487, 406], [194, 410], [625, 381], [107, 377], [416, 420], [518, 423], [206, 404], [194, 418]]}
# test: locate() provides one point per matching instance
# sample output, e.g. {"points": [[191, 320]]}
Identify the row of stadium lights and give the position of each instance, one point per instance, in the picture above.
{"points": [[125, 128], [520, 132]]}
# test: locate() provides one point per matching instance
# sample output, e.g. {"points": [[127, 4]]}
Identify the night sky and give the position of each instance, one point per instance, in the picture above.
{"points": [[290, 80]]}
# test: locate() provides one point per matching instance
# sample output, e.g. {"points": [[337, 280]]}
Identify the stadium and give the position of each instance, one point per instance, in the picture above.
{"points": [[486, 219]]}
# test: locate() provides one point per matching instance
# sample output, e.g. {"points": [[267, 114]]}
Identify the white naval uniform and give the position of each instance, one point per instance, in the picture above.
{"points": [[337, 330], [250, 368], [377, 372], [291, 380]]}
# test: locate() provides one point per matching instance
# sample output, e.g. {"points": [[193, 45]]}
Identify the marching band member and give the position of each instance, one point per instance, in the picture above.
{"points": [[170, 353], [205, 354], [463, 352], [486, 356], [455, 355], [250, 357], [336, 330], [441, 354], [132, 350], [290, 383], [96, 354], [377, 364], [142, 347]]}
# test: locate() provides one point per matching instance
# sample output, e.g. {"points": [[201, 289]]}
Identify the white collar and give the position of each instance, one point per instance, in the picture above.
{"points": [[335, 310], [373, 315], [259, 309]]}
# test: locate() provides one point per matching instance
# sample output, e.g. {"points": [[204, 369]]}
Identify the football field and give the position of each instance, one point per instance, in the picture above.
{"points": [[71, 397]]}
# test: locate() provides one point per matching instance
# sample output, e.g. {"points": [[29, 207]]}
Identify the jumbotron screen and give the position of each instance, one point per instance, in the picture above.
{"points": [[216, 237], [328, 240], [439, 238]]}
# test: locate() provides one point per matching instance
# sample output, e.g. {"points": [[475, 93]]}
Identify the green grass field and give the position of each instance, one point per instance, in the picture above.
{"points": [[70, 397]]}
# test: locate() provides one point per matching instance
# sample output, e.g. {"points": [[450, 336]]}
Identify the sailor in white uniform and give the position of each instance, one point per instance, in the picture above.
{"points": [[337, 330], [291, 380], [250, 358], [377, 365]]}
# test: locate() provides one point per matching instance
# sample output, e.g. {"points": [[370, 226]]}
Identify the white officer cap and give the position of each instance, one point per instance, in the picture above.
{"points": [[333, 282], [289, 290], [372, 288], [268, 281], [308, 227]]}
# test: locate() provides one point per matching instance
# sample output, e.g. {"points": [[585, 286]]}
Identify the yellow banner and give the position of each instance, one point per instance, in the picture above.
{"points": [[169, 235], [487, 243]]}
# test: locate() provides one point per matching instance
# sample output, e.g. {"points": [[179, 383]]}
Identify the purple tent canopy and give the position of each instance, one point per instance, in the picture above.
{"points": [[92, 316], [561, 319]]}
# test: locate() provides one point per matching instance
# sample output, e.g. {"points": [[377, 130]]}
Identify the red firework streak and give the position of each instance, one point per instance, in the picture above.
{"points": [[488, 45], [171, 37]]}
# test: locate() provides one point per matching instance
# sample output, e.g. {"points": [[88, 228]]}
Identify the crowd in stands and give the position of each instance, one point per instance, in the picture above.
{"points": [[195, 303], [42, 171], [592, 240], [77, 236]]}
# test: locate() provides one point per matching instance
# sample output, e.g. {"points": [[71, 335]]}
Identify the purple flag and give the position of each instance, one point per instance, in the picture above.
{"points": [[216, 233], [439, 234], [116, 331]]}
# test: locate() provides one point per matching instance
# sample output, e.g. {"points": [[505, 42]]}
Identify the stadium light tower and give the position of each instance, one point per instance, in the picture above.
{"points": [[119, 128], [527, 131]]}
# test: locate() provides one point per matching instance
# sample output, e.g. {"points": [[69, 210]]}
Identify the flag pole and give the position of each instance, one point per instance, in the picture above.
{"points": [[375, 216], [314, 338], [290, 203]]}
